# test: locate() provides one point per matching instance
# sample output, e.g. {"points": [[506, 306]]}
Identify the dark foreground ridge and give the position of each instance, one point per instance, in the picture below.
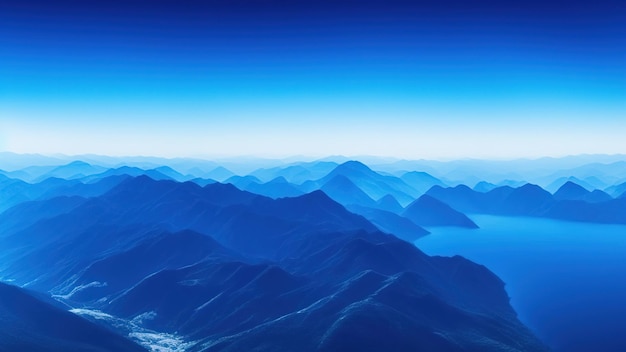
{"points": [[28, 324]]}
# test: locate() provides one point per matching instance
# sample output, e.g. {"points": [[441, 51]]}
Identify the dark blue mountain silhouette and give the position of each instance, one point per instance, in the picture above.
{"points": [[527, 200], [12, 219], [344, 191], [276, 188], [110, 276], [572, 191], [428, 211], [372, 183], [612, 211], [558, 183], [28, 324], [389, 203], [532, 200], [390, 222], [597, 196], [254, 271], [460, 197]]}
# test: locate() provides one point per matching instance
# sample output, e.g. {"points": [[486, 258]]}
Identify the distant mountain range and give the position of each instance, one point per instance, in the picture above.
{"points": [[304, 256], [570, 202], [351, 183]]}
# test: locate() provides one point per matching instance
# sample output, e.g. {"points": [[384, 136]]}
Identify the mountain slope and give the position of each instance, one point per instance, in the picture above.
{"points": [[428, 211], [421, 181], [372, 183], [28, 324], [344, 191], [571, 191], [389, 203], [391, 222]]}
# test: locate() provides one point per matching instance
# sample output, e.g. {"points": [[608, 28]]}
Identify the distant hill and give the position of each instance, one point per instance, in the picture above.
{"points": [[373, 184], [389, 203], [428, 211], [572, 202], [421, 181], [572, 191], [73, 170], [276, 188], [484, 187], [617, 190], [344, 191], [392, 223], [219, 174], [560, 182], [298, 173]]}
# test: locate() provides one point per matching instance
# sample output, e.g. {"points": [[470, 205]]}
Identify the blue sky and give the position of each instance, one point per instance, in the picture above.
{"points": [[411, 79]]}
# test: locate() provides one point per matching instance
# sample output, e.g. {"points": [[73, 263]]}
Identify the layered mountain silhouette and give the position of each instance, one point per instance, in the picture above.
{"points": [[276, 188], [570, 202], [573, 191], [343, 190], [389, 222], [617, 191], [306, 256], [226, 269], [297, 174], [370, 182], [73, 170], [421, 181], [428, 211], [560, 182], [389, 203]]}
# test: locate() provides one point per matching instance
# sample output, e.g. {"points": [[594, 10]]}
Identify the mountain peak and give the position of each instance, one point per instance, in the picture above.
{"points": [[353, 166], [389, 203], [429, 211], [78, 163], [343, 190], [570, 191]]}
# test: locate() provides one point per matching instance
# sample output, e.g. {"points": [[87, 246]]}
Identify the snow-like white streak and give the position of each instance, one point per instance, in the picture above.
{"points": [[143, 317], [93, 313], [160, 342], [152, 340], [80, 288], [208, 302]]}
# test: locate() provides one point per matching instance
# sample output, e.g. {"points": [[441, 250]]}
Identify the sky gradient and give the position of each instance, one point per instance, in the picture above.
{"points": [[410, 79]]}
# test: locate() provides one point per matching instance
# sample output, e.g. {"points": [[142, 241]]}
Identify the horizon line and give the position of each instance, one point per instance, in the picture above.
{"points": [[300, 157]]}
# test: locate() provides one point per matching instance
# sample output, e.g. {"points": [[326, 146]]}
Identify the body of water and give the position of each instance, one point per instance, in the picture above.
{"points": [[566, 280]]}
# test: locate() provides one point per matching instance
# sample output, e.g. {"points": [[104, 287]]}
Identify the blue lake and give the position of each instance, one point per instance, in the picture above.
{"points": [[566, 280]]}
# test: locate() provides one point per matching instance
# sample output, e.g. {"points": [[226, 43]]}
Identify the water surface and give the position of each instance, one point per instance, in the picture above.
{"points": [[566, 280]]}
